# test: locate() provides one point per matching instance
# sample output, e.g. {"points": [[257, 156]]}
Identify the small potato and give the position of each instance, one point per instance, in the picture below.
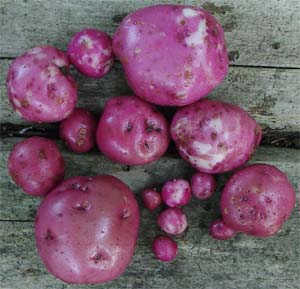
{"points": [[132, 132], [79, 130], [215, 136], [36, 165], [219, 231], [151, 199], [203, 185], [257, 200], [86, 229], [91, 53], [172, 55], [39, 85], [164, 248], [176, 193], [172, 221]]}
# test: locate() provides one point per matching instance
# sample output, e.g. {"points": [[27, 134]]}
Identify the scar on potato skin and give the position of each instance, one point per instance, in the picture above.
{"points": [[25, 102], [49, 235], [42, 155], [129, 126], [80, 141], [213, 136]]}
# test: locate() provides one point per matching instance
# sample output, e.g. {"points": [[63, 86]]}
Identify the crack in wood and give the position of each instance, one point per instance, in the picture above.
{"points": [[277, 137]]}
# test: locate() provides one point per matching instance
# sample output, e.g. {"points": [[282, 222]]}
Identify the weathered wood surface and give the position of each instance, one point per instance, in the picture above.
{"points": [[272, 96], [22, 207], [257, 33], [243, 262]]}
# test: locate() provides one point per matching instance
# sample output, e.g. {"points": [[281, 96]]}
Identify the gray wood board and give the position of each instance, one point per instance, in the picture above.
{"points": [[259, 34], [272, 96]]}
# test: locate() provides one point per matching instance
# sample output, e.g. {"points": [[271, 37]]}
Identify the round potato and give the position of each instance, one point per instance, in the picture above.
{"points": [[215, 136], [172, 55], [86, 229], [36, 165], [257, 200], [132, 132], [39, 85]]}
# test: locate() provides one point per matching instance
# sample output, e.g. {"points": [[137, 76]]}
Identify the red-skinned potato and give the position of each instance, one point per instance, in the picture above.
{"points": [[151, 199], [171, 54], [215, 136], [36, 165], [203, 185], [219, 231], [39, 86], [132, 132], [257, 200], [164, 248], [172, 221], [176, 193], [86, 229], [90, 52], [79, 130]]}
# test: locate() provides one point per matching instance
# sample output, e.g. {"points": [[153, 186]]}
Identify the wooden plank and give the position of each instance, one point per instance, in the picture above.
{"points": [[272, 96], [243, 262], [256, 34], [23, 207]]}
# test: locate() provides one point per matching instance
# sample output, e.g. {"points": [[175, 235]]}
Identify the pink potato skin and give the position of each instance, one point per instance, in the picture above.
{"points": [[176, 193], [132, 132], [86, 229], [203, 185], [172, 221], [36, 165], [215, 136], [257, 200], [151, 199], [219, 231], [91, 53], [39, 86], [79, 130], [172, 55], [164, 248]]}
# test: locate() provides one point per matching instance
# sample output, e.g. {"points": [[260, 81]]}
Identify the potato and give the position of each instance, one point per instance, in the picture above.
{"points": [[91, 53], [219, 231], [172, 221], [257, 200], [176, 193], [39, 86], [79, 130], [172, 55], [151, 199], [36, 165], [132, 132], [164, 248], [215, 136], [86, 229], [203, 185]]}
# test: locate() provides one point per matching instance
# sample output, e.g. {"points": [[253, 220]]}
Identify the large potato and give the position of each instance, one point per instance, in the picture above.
{"points": [[257, 200], [86, 229], [215, 136], [172, 54]]}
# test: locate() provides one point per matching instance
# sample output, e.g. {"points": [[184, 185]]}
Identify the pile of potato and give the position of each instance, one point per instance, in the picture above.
{"points": [[86, 228]]}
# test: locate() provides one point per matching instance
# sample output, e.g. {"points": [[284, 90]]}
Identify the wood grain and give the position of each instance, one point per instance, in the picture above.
{"points": [[259, 35], [264, 78], [272, 96]]}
